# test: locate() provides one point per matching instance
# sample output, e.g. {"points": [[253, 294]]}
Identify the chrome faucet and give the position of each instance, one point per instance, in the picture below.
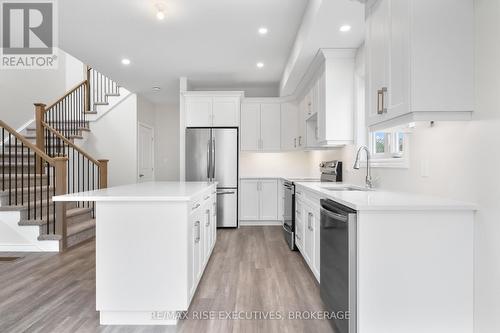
{"points": [[369, 183]]}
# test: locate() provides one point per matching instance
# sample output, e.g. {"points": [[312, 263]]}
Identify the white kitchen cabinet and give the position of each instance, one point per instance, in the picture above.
{"points": [[270, 125], [250, 199], [269, 200], [302, 116], [250, 127], [260, 127], [198, 111], [226, 111], [327, 107], [419, 61], [202, 235], [307, 212], [259, 200], [212, 109], [289, 126]]}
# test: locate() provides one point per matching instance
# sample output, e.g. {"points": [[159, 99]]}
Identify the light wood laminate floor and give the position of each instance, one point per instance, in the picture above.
{"points": [[251, 270]]}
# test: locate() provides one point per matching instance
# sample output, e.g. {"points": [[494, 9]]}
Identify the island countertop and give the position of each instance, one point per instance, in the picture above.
{"points": [[148, 191]]}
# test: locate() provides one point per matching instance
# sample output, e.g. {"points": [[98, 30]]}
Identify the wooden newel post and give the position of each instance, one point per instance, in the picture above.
{"points": [[40, 140], [61, 189], [103, 175]]}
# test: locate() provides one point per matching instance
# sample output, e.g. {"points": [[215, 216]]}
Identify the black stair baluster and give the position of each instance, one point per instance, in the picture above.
{"points": [[47, 197], [53, 203], [3, 159], [29, 183], [22, 173], [16, 166], [10, 169]]}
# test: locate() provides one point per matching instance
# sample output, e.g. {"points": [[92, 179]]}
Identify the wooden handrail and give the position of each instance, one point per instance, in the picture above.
{"points": [[67, 94], [60, 136], [28, 144]]}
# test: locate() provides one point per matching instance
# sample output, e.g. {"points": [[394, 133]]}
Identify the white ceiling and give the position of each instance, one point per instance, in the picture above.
{"points": [[212, 42]]}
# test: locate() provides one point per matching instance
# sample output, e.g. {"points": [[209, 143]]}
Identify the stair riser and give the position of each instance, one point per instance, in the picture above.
{"points": [[19, 168], [24, 212], [81, 237], [4, 199], [4, 181], [79, 218]]}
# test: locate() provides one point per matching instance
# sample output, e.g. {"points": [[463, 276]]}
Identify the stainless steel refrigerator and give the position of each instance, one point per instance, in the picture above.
{"points": [[212, 155]]}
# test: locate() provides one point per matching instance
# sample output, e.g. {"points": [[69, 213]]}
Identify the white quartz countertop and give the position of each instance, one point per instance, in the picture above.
{"points": [[383, 200], [149, 191]]}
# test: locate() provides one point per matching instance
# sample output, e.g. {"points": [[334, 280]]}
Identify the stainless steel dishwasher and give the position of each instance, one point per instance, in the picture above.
{"points": [[338, 264]]}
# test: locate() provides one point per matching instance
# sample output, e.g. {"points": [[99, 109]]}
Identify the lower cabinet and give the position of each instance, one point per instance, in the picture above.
{"points": [[202, 234], [307, 229], [259, 200]]}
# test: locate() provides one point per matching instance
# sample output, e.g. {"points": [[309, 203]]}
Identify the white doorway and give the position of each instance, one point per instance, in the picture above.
{"points": [[145, 153]]}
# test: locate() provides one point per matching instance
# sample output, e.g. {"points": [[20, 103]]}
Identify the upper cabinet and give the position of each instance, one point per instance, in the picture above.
{"points": [[328, 103], [260, 126], [289, 126], [212, 109], [419, 58]]}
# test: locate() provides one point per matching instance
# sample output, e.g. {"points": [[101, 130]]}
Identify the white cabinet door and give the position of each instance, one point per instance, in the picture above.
{"points": [[302, 124], [399, 54], [207, 239], [289, 126], [270, 124], [309, 236], [377, 55], [226, 111], [250, 198], [198, 111], [269, 200], [299, 225], [317, 248], [250, 126], [196, 251]]}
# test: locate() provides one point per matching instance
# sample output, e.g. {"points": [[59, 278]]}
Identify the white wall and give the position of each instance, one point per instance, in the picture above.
{"points": [[20, 89], [114, 137], [167, 142]]}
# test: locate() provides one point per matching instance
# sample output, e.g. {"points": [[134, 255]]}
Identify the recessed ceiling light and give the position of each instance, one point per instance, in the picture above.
{"points": [[160, 15], [160, 10], [345, 28], [156, 89], [260, 64], [263, 30], [125, 61]]}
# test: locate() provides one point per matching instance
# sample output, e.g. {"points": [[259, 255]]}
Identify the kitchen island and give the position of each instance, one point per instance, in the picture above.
{"points": [[153, 241]]}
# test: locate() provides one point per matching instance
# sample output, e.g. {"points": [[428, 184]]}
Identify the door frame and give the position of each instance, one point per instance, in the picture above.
{"points": [[139, 124]]}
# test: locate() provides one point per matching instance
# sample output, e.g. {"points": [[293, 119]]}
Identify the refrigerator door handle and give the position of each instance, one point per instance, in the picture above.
{"points": [[213, 158], [208, 159]]}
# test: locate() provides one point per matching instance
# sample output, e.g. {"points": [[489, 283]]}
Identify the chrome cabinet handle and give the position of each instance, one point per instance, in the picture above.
{"points": [[206, 198], [197, 205], [298, 237], [384, 91], [300, 140], [309, 226], [381, 101], [208, 215], [295, 142]]}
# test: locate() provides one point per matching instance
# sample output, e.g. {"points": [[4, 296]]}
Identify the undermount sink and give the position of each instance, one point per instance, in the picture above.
{"points": [[346, 188]]}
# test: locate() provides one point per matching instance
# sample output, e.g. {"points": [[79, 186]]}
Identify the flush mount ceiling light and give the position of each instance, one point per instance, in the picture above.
{"points": [[263, 30], [125, 61], [160, 11], [260, 64], [345, 28], [156, 89]]}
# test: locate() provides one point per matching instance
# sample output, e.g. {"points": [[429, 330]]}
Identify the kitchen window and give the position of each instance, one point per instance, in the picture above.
{"points": [[389, 149]]}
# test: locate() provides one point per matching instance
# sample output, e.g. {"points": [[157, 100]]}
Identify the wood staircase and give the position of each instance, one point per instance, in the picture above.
{"points": [[44, 161]]}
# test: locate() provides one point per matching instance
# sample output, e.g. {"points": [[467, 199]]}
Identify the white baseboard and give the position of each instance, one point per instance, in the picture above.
{"points": [[49, 246], [260, 223]]}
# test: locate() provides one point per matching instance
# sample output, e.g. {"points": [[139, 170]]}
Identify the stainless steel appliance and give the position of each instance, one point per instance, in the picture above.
{"points": [[289, 213], [338, 263], [331, 171], [212, 155]]}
